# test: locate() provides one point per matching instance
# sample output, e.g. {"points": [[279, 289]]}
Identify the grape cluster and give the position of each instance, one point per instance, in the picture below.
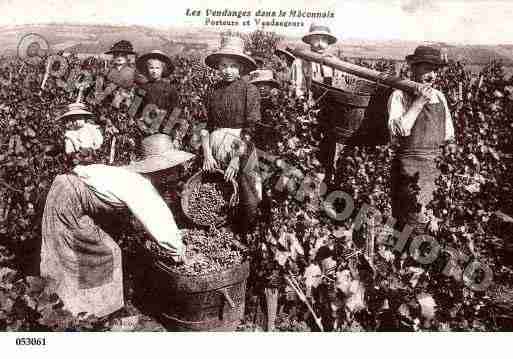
{"points": [[207, 252], [207, 203]]}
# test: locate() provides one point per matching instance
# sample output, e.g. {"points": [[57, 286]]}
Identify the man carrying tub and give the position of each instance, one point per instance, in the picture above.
{"points": [[419, 125], [320, 39]]}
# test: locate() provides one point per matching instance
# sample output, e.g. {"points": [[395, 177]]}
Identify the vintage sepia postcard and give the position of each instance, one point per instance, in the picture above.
{"points": [[260, 166]]}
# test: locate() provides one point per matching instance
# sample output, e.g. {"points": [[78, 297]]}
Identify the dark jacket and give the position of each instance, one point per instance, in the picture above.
{"points": [[160, 93], [123, 78]]}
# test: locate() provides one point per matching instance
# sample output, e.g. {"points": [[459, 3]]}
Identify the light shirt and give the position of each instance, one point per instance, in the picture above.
{"points": [[398, 105], [123, 188], [303, 71]]}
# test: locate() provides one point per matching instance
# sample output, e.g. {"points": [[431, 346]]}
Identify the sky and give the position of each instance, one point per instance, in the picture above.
{"points": [[453, 21]]}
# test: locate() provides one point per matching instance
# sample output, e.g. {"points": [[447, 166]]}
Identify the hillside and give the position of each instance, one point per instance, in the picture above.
{"points": [[98, 38]]}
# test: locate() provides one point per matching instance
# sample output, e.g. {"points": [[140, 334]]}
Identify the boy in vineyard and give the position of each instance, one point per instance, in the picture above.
{"points": [[159, 104], [265, 82], [265, 131], [418, 127]]}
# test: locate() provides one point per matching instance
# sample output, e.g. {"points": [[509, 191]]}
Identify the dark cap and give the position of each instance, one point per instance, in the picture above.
{"points": [[427, 54], [123, 46]]}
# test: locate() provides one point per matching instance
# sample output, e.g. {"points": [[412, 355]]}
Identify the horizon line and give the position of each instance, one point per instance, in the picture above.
{"points": [[217, 30]]}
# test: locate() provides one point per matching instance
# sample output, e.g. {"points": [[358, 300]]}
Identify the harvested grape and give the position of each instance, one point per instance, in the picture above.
{"points": [[207, 251], [207, 203]]}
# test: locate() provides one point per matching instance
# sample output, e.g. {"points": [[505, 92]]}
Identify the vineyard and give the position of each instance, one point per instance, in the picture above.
{"points": [[326, 274]]}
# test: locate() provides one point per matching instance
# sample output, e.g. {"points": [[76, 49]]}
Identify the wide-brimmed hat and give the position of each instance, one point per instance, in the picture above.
{"points": [[319, 30], [428, 54], [233, 47], [123, 46], [288, 54], [142, 62], [76, 109], [158, 153], [263, 77]]}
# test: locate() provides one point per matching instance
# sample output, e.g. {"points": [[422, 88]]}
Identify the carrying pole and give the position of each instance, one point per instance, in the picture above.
{"points": [[363, 72]]}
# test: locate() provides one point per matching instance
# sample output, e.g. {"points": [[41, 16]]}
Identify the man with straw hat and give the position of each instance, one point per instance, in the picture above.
{"points": [[233, 110], [418, 125], [159, 94], [82, 212], [320, 39]]}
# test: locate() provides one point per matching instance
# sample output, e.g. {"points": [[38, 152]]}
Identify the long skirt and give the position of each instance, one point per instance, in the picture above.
{"points": [[76, 253]]}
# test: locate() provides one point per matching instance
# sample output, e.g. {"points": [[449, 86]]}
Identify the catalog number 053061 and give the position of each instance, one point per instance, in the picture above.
{"points": [[30, 341]]}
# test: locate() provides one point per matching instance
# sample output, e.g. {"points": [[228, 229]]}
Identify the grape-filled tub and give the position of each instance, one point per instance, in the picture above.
{"points": [[208, 302]]}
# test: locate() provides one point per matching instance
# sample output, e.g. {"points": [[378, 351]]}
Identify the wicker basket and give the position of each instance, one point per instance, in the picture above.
{"points": [[206, 177]]}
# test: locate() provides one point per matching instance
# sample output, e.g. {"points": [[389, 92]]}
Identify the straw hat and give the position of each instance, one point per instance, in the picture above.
{"points": [[319, 30], [76, 109], [123, 46], [142, 62], [157, 154], [233, 47], [280, 51], [427, 54], [263, 77]]}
